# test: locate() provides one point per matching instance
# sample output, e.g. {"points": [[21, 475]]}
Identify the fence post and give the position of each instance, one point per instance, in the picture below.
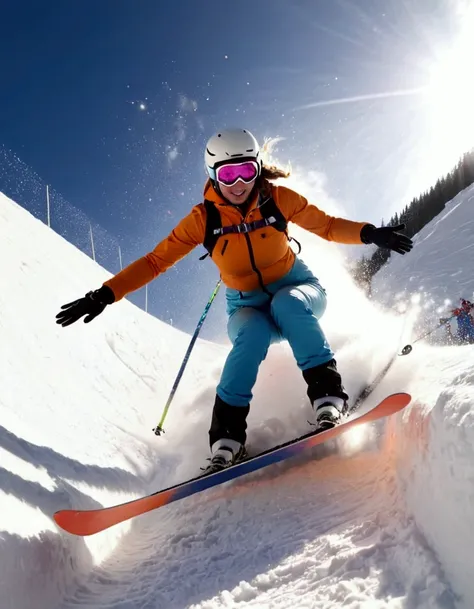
{"points": [[92, 241], [48, 210]]}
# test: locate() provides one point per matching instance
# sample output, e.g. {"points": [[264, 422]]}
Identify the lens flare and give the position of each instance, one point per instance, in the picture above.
{"points": [[450, 93]]}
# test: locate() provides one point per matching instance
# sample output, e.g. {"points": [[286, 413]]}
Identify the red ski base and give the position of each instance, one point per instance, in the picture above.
{"points": [[88, 522]]}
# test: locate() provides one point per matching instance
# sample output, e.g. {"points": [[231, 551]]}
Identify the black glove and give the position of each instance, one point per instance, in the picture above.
{"points": [[387, 237], [91, 305]]}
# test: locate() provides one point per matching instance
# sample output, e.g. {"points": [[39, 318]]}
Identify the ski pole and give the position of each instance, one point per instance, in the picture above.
{"points": [[159, 428], [409, 348]]}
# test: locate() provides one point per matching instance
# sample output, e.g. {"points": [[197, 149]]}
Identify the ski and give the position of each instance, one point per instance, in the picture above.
{"points": [[89, 522]]}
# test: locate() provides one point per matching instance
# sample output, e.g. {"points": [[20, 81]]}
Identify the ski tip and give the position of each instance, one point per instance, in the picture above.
{"points": [[397, 401], [72, 522], [63, 519], [58, 519], [402, 396], [390, 404]]}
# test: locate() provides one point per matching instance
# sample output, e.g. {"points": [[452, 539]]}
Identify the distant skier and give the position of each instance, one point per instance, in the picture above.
{"points": [[465, 321], [271, 294]]}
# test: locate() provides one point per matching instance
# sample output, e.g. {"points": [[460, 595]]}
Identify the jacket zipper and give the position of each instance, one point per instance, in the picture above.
{"points": [[224, 247], [254, 266], [252, 260]]}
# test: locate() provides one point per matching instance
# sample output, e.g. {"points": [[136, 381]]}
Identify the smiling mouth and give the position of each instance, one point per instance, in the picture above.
{"points": [[237, 193]]}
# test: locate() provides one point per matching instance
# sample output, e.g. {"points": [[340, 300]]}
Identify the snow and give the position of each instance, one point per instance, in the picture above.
{"points": [[441, 271], [383, 520]]}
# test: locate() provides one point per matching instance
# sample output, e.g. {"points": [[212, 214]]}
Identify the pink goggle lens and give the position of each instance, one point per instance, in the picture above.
{"points": [[229, 174]]}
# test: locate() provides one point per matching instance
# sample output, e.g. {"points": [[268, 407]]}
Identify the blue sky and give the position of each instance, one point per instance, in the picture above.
{"points": [[111, 103]]}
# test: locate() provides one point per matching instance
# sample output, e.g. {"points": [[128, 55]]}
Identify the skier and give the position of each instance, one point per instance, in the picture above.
{"points": [[271, 294], [465, 321]]}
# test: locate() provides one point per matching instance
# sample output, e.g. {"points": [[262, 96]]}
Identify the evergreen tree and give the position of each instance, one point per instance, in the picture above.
{"points": [[419, 213]]}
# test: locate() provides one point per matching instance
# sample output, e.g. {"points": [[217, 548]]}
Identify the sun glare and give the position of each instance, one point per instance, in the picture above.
{"points": [[355, 439], [450, 95]]}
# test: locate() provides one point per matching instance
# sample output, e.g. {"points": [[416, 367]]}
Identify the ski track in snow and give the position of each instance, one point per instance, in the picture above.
{"points": [[353, 563], [384, 519]]}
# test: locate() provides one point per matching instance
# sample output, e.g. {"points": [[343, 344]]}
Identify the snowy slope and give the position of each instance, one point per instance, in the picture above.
{"points": [[385, 521], [442, 270], [432, 281]]}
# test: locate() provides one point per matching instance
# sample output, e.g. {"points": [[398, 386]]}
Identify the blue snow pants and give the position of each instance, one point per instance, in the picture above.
{"points": [[465, 328], [289, 312]]}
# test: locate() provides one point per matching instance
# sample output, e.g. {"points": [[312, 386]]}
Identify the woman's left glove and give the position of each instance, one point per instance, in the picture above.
{"points": [[388, 237], [92, 304]]}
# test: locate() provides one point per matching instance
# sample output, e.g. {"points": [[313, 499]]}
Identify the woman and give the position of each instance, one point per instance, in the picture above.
{"points": [[271, 294]]}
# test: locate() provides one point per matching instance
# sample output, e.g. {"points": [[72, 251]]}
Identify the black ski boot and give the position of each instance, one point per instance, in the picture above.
{"points": [[227, 435], [326, 394]]}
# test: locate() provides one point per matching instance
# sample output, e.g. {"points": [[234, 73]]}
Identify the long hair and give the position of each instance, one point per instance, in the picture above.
{"points": [[272, 172], [269, 172]]}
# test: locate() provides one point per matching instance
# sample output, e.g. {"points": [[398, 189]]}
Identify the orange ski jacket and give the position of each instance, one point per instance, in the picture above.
{"points": [[243, 259]]}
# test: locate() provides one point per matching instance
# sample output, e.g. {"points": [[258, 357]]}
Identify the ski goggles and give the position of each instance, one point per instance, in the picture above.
{"points": [[229, 174]]}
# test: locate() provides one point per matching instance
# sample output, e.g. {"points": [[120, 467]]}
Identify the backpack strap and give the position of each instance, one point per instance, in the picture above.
{"points": [[213, 226], [272, 213], [270, 210]]}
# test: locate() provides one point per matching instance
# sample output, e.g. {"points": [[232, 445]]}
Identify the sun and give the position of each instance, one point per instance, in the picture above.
{"points": [[450, 95]]}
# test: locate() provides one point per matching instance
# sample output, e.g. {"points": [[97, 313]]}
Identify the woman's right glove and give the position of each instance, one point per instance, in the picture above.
{"points": [[91, 305]]}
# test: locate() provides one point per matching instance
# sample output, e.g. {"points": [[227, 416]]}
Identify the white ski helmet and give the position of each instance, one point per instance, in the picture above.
{"points": [[231, 145]]}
